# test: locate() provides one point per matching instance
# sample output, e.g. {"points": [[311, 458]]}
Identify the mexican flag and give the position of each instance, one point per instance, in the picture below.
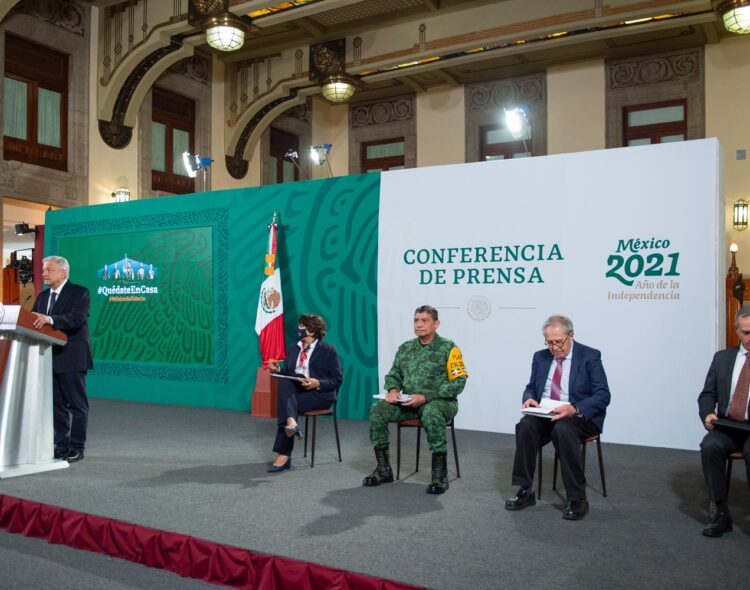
{"points": [[269, 321]]}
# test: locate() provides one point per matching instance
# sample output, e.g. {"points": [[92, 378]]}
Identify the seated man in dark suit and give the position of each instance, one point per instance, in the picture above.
{"points": [[571, 374], [725, 395]]}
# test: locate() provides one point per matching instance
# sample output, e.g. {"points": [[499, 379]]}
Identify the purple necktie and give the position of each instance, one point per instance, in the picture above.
{"points": [[556, 380]]}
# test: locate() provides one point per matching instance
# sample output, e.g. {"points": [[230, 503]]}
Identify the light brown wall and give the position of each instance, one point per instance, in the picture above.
{"points": [[330, 124], [575, 107], [441, 127], [727, 89]]}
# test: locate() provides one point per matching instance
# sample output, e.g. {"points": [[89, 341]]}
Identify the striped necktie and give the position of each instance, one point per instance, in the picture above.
{"points": [[52, 300], [556, 381]]}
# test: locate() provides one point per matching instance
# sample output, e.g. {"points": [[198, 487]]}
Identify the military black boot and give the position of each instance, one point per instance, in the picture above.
{"points": [[439, 483], [383, 472]]}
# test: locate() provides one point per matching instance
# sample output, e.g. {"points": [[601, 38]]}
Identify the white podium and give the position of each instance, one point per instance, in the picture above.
{"points": [[26, 424]]}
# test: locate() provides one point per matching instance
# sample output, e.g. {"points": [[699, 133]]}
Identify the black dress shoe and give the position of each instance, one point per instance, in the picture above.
{"points": [[575, 509], [61, 453], [279, 468], [524, 497], [74, 455], [721, 523]]}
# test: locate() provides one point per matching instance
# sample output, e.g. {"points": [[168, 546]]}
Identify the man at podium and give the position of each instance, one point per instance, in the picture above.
{"points": [[65, 307]]}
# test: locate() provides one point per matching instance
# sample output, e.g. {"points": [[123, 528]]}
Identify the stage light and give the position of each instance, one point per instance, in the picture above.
{"points": [[319, 155], [517, 122], [193, 163], [121, 194], [292, 155], [739, 219], [23, 229], [736, 15]]}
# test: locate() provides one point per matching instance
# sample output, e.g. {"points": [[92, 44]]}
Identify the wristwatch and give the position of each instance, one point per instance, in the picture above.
{"points": [[578, 412]]}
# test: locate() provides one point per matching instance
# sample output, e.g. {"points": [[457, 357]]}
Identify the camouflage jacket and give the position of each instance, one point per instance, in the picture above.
{"points": [[436, 370]]}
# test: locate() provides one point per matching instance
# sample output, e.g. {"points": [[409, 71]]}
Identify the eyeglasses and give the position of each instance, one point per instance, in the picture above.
{"points": [[556, 343]]}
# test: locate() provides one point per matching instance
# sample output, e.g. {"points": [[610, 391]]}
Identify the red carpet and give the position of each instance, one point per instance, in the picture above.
{"points": [[182, 554]]}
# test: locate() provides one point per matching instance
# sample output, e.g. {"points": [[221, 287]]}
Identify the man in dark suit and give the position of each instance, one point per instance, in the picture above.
{"points": [[317, 364], [569, 376], [725, 395], [65, 307]]}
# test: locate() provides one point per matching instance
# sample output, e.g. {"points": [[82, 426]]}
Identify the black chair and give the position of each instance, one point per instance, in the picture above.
{"points": [[584, 444], [314, 415], [417, 423]]}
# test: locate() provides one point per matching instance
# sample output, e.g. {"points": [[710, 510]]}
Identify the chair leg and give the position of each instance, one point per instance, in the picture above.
{"points": [[455, 450], [601, 466], [539, 473], [312, 451], [419, 437], [554, 472], [306, 430], [398, 450], [336, 429]]}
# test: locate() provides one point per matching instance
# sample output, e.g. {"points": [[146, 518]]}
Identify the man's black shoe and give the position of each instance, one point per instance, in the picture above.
{"points": [[524, 497], [61, 453], [721, 523], [576, 509], [74, 455]]}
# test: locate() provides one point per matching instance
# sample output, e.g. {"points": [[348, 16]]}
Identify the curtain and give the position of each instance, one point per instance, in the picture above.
{"points": [[180, 144], [48, 112], [14, 108], [158, 140]]}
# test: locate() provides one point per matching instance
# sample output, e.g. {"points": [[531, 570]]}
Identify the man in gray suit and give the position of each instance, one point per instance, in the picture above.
{"points": [[725, 395]]}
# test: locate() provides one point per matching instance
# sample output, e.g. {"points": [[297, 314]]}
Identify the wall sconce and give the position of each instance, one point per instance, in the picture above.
{"points": [[319, 155], [121, 194], [224, 30], [739, 219], [736, 15]]}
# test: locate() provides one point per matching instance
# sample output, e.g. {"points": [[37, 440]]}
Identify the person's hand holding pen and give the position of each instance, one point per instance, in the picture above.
{"points": [[274, 365]]}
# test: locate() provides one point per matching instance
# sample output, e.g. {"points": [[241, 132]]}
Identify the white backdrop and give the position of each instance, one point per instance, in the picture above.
{"points": [[648, 215]]}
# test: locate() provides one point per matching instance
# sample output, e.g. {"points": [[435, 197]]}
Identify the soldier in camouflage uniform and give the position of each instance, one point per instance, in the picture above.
{"points": [[431, 370]]}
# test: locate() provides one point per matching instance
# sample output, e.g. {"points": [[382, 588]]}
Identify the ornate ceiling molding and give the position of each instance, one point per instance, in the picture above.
{"points": [[389, 111], [114, 132], [505, 93], [237, 166], [65, 14], [676, 67], [196, 68]]}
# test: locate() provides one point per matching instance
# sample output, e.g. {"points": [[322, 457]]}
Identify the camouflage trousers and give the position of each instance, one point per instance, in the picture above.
{"points": [[434, 415]]}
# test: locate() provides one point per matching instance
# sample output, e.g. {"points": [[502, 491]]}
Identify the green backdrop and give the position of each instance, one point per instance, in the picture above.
{"points": [[187, 336]]}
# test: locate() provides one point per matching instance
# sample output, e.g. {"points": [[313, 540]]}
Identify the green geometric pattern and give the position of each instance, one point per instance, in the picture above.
{"points": [[196, 345]]}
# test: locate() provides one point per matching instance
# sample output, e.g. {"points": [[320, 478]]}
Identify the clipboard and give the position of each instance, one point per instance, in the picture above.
{"points": [[292, 377], [727, 423]]}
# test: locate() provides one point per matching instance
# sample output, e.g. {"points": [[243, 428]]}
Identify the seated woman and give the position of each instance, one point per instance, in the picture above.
{"points": [[317, 363]]}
